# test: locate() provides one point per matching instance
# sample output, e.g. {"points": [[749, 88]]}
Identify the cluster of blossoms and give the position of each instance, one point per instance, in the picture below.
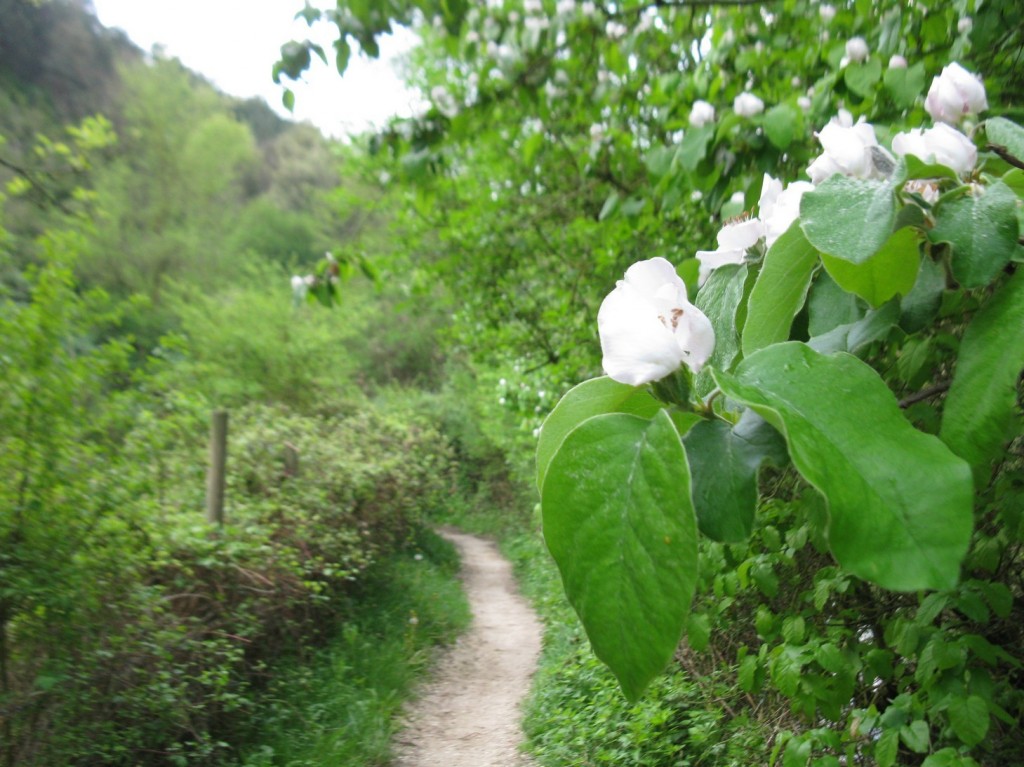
{"points": [[648, 327]]}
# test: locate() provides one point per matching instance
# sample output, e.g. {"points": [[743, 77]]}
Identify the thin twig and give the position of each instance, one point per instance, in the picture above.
{"points": [[924, 394]]}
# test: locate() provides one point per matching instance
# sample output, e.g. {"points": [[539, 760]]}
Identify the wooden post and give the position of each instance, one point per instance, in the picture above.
{"points": [[291, 460], [218, 462]]}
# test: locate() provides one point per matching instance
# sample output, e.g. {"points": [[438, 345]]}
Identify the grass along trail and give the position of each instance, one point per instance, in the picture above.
{"points": [[468, 714]]}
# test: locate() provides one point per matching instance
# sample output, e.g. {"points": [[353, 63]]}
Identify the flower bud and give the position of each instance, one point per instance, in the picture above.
{"points": [[701, 114], [940, 145], [747, 105], [954, 94]]}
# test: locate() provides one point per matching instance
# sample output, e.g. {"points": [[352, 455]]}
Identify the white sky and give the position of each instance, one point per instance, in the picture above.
{"points": [[234, 44]]}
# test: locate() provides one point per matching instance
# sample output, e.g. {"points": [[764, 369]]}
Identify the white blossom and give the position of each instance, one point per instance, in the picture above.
{"points": [[804, 103], [897, 62], [648, 327], [927, 189], [443, 100], [565, 7], [298, 283], [701, 114], [533, 6], [615, 30], [942, 145], [734, 239], [826, 12], [747, 105], [954, 94], [964, 25], [856, 50], [851, 150], [778, 207]]}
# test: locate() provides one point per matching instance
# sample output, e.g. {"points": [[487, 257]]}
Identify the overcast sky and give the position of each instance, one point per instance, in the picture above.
{"points": [[234, 44]]}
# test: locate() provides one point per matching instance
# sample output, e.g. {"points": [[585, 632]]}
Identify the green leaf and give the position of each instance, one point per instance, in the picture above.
{"points": [[982, 231], [905, 84], [899, 502], [1006, 135], [874, 326], [724, 462], [862, 78], [694, 146], [594, 397], [849, 218], [780, 290], [889, 272], [288, 99], [916, 736], [719, 298], [619, 523], [978, 416], [698, 631], [948, 757], [782, 123], [886, 748], [919, 307], [829, 306]]}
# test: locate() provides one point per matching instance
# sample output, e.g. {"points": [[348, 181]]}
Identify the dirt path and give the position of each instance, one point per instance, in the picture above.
{"points": [[468, 715]]}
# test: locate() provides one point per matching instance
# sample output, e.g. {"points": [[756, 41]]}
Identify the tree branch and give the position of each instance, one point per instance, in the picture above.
{"points": [[924, 394]]}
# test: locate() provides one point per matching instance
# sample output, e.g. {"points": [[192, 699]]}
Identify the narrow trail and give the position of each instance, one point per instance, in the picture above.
{"points": [[468, 714]]}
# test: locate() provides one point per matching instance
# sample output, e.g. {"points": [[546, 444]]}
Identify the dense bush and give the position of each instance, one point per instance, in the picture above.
{"points": [[134, 632]]}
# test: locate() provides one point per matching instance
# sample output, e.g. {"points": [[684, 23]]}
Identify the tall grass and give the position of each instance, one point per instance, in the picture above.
{"points": [[339, 708]]}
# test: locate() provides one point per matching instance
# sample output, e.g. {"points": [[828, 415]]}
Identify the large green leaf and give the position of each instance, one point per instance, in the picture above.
{"points": [[906, 84], [979, 411], [619, 523], [982, 230], [854, 336], [780, 290], [1008, 136], [969, 718], [890, 272], [850, 218], [724, 461], [594, 397], [899, 501], [719, 299], [862, 78]]}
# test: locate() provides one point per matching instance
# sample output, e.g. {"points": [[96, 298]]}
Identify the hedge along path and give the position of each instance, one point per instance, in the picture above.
{"points": [[468, 714]]}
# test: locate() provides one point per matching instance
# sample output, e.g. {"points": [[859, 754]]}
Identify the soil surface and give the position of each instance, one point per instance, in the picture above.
{"points": [[468, 714]]}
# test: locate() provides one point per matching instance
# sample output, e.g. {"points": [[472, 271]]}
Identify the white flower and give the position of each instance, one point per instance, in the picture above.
{"points": [[536, 24], [778, 207], [443, 101], [737, 198], [928, 190], [588, 9], [942, 145], [565, 7], [851, 150], [826, 12], [897, 62], [298, 283], [533, 6], [954, 94], [310, 280], [856, 49], [804, 103], [733, 241], [701, 114], [615, 30], [649, 329], [964, 25], [747, 105]]}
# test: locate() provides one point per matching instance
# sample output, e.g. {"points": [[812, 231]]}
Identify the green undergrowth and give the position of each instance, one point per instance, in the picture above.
{"points": [[339, 707]]}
